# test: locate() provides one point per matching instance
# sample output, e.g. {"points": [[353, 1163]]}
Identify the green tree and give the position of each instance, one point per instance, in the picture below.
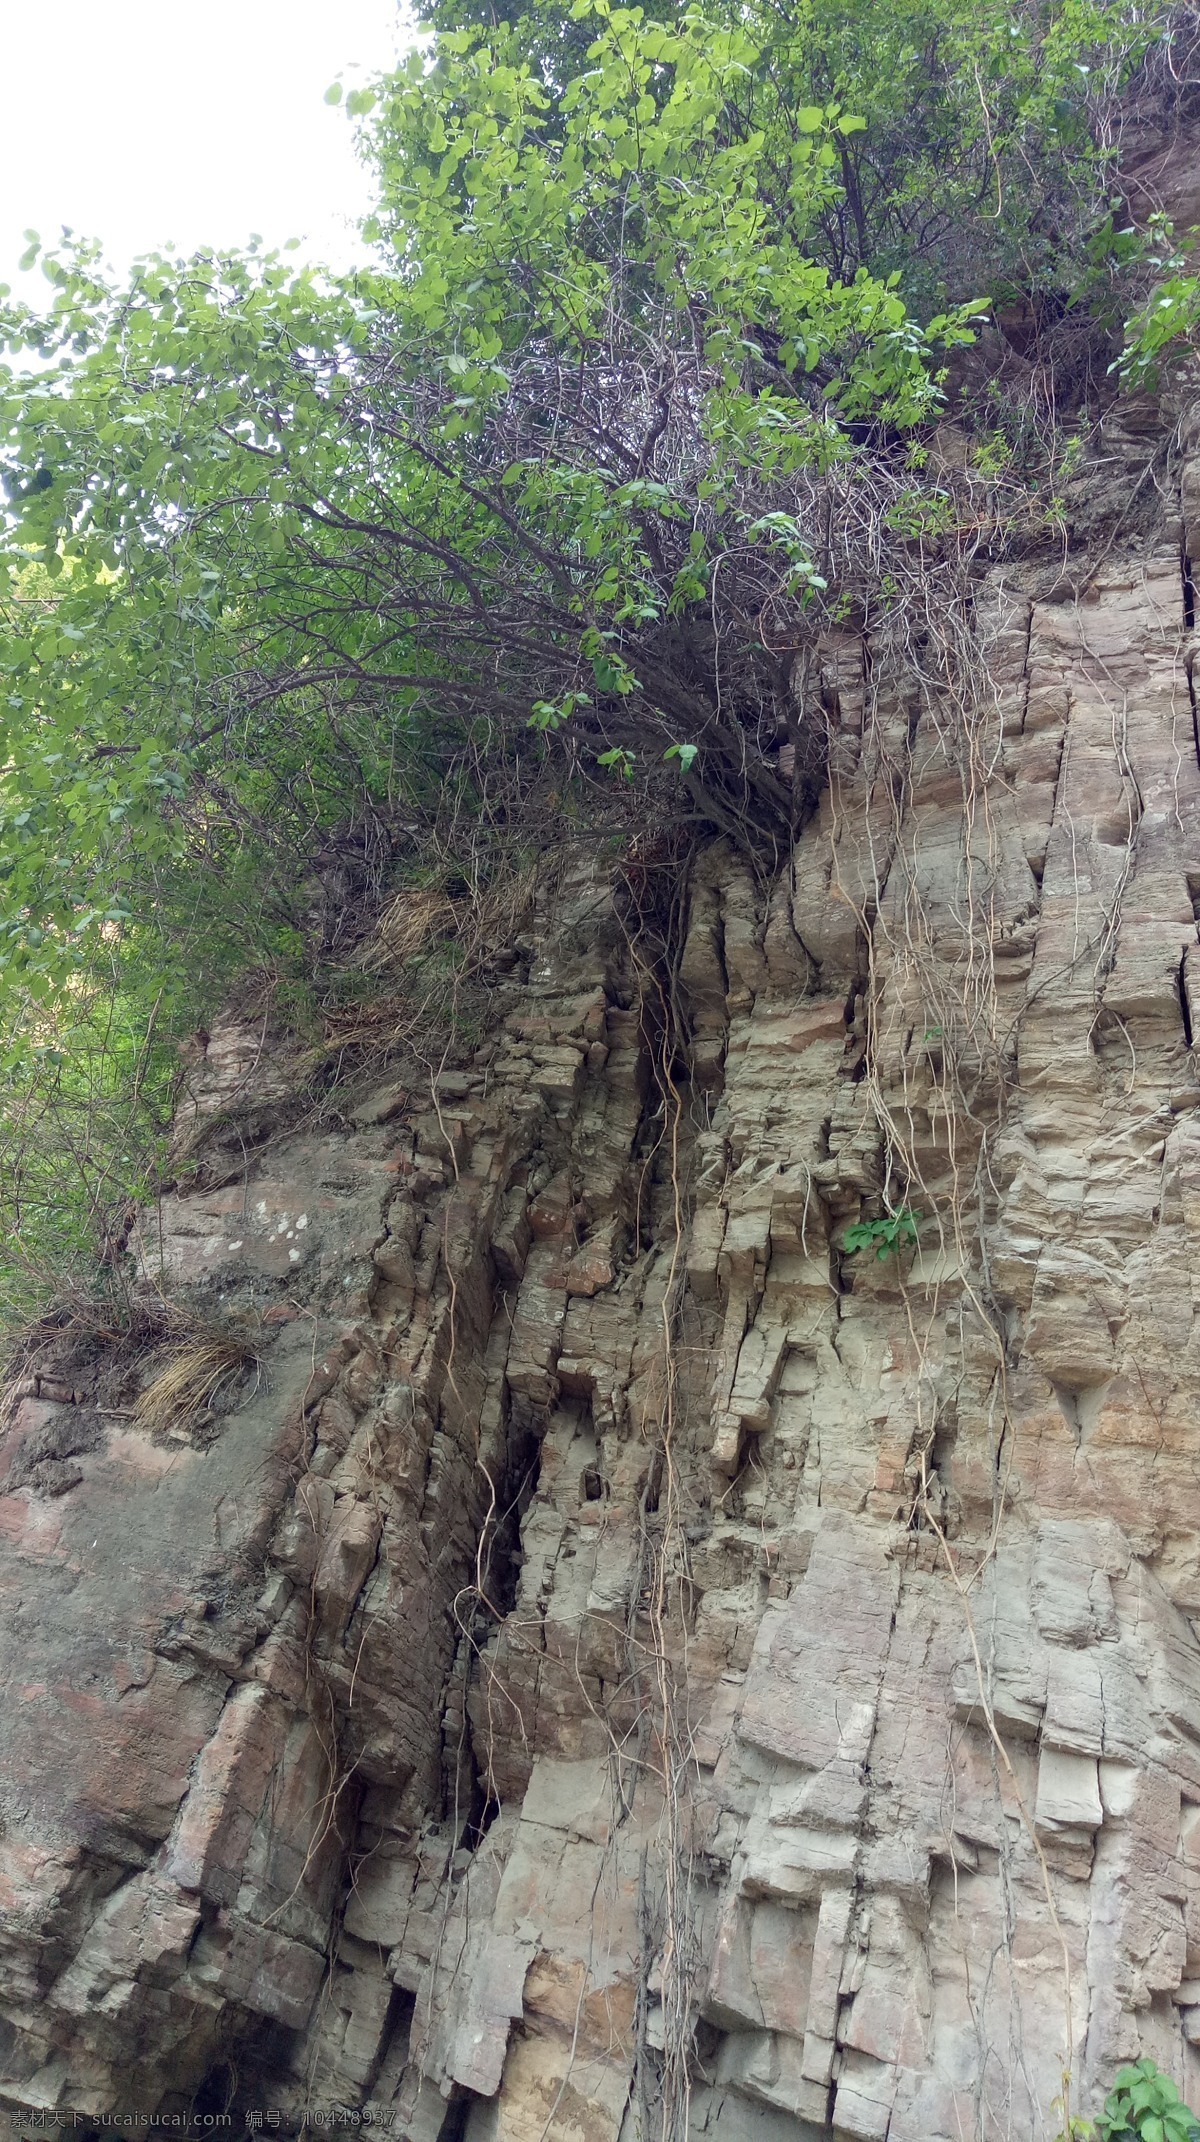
{"points": [[494, 477], [567, 479]]}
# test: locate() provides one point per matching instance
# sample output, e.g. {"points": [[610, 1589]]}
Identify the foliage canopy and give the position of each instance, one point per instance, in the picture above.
{"points": [[635, 393]]}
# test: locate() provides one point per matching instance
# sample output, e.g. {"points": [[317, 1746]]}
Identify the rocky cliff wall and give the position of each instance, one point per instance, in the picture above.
{"points": [[623, 1665]]}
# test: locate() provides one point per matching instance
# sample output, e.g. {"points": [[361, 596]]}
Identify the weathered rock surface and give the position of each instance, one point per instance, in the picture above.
{"points": [[628, 1659]]}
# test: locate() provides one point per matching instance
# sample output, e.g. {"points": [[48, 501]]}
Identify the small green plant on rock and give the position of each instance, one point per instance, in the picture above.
{"points": [[1142, 2106], [890, 1233]]}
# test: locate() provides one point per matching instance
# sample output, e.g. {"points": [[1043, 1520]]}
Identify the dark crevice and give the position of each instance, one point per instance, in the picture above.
{"points": [[1068, 1400], [401, 2009], [503, 1555], [247, 2074], [650, 1486], [1189, 624], [479, 1825], [1081, 1406], [941, 1450], [397, 2037], [1184, 1006], [218, 2091], [458, 2112], [1025, 669]]}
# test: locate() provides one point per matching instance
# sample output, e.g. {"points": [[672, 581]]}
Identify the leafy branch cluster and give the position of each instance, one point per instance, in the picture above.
{"points": [[1142, 2106], [886, 1235], [318, 588]]}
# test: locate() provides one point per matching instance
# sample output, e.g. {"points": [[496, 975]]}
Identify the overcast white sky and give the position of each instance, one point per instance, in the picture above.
{"points": [[193, 121]]}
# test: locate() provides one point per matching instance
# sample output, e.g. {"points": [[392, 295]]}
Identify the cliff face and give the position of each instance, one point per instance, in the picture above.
{"points": [[624, 1663]]}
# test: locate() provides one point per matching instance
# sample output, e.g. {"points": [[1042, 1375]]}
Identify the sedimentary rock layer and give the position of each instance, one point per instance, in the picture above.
{"points": [[626, 1662]]}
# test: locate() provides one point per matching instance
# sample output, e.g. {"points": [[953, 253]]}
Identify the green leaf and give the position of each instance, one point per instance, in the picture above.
{"points": [[617, 761], [887, 1235], [686, 754]]}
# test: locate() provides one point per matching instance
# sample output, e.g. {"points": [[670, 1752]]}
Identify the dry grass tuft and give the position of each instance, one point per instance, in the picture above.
{"points": [[480, 920], [425, 952], [383, 1024], [75, 1336], [97, 1345], [191, 1380], [409, 924]]}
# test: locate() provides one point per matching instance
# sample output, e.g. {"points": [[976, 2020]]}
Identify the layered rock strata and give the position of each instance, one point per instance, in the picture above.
{"points": [[627, 1665]]}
